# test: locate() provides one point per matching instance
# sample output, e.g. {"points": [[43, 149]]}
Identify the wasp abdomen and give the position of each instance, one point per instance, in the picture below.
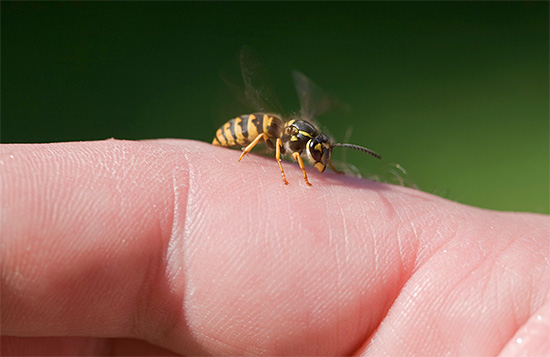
{"points": [[243, 129]]}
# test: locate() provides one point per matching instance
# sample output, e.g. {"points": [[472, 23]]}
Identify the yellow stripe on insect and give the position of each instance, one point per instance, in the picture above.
{"points": [[266, 122], [252, 129], [220, 137], [305, 133], [239, 131], [227, 132]]}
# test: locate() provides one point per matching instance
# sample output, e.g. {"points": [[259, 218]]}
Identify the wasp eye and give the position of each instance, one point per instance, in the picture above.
{"points": [[315, 149]]}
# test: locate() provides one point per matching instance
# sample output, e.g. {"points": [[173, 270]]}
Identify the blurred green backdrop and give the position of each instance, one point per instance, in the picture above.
{"points": [[456, 92]]}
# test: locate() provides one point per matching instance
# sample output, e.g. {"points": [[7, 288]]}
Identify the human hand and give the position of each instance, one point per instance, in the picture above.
{"points": [[172, 246]]}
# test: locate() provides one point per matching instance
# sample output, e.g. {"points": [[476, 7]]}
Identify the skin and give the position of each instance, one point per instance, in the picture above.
{"points": [[172, 247]]}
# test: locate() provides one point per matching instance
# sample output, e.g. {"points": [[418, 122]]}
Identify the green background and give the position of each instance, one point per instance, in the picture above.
{"points": [[457, 93]]}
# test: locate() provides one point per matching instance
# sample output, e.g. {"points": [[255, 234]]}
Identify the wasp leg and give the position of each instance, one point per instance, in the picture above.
{"points": [[296, 156], [334, 168], [250, 146], [278, 146]]}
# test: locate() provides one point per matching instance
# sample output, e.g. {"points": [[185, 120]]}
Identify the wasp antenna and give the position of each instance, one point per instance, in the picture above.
{"points": [[360, 148]]}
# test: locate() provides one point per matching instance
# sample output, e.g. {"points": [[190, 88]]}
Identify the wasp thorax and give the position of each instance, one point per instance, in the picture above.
{"points": [[297, 134], [319, 150]]}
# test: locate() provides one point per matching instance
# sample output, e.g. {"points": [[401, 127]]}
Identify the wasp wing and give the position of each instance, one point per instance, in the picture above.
{"points": [[258, 89], [313, 100]]}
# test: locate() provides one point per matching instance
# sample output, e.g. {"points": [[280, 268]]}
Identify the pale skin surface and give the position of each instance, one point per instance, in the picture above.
{"points": [[142, 248]]}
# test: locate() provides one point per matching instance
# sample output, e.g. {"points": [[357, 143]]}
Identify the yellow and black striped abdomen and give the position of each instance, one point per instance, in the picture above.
{"points": [[242, 130]]}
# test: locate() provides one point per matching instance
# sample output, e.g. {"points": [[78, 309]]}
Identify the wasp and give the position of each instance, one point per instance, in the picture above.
{"points": [[295, 137]]}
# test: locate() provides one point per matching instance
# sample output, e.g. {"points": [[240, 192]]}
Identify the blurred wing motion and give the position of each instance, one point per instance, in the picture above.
{"points": [[292, 137], [395, 174], [258, 89], [313, 100]]}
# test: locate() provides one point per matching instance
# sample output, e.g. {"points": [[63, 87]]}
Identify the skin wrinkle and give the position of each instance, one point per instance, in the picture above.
{"points": [[177, 235], [423, 256], [367, 335], [384, 324], [328, 208], [544, 257], [362, 304], [525, 335], [390, 210], [498, 331], [473, 268], [534, 281], [262, 200], [228, 253], [189, 230], [337, 260], [483, 308], [369, 338], [401, 254], [399, 236], [145, 292], [186, 233], [168, 326], [514, 302], [395, 332], [346, 259], [156, 263], [158, 273]]}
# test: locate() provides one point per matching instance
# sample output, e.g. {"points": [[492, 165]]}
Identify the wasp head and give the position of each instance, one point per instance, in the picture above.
{"points": [[319, 150]]}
